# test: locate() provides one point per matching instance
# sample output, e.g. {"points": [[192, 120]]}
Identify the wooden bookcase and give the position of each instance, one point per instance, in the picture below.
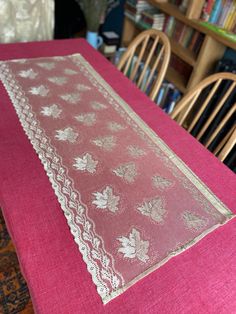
{"points": [[202, 64]]}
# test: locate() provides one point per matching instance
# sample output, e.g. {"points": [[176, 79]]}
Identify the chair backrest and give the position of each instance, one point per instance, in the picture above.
{"points": [[227, 144], [208, 109], [146, 60]]}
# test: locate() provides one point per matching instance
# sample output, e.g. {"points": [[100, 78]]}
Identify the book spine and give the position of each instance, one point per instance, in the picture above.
{"points": [[215, 11], [193, 40], [229, 16], [221, 19], [233, 18]]}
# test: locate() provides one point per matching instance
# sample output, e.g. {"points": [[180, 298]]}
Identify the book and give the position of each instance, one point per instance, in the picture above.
{"points": [[108, 48], [193, 40], [172, 98], [215, 11], [206, 10]]}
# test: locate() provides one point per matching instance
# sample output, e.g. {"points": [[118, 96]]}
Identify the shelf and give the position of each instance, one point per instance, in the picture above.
{"points": [[187, 55], [178, 80], [171, 9]]}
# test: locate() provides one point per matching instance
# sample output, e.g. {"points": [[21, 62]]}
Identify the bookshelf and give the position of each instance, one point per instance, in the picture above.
{"points": [[201, 63]]}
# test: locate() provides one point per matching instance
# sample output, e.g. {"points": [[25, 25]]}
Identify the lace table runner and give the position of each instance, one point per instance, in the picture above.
{"points": [[130, 202]]}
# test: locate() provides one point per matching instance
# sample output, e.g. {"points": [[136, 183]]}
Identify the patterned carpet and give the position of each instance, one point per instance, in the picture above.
{"points": [[14, 294]]}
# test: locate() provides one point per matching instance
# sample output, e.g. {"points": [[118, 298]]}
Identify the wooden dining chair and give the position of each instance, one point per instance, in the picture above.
{"points": [[146, 60], [208, 110]]}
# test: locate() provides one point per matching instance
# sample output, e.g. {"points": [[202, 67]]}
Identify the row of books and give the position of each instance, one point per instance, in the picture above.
{"points": [[221, 13], [178, 31], [184, 35], [152, 18], [134, 8], [167, 97]]}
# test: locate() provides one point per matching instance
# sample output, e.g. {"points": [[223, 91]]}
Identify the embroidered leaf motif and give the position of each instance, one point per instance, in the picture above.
{"points": [[39, 90], [82, 87], [87, 119], [86, 163], [58, 80], [97, 105], [115, 127], [193, 221], [106, 142], [155, 209], [70, 72], [135, 151], [30, 74], [161, 182], [51, 111], [106, 200], [134, 247], [71, 98], [46, 65], [66, 135], [126, 171]]}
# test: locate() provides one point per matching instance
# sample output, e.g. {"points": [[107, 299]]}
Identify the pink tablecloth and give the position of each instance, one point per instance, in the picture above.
{"points": [[200, 280]]}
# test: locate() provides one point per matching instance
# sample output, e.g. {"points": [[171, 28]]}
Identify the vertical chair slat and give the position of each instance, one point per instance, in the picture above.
{"points": [[183, 116], [128, 65], [220, 126], [141, 53], [216, 110], [156, 63], [204, 105], [148, 61], [231, 142], [224, 141]]}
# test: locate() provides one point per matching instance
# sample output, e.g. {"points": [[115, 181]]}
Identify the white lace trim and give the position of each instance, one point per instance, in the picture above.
{"points": [[100, 264]]}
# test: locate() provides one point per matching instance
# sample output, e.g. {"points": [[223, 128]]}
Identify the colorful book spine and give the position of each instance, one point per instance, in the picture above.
{"points": [[215, 11], [207, 8]]}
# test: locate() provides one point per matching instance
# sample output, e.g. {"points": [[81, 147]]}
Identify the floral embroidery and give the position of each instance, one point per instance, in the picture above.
{"points": [[46, 65], [106, 200], [155, 209], [97, 105], [58, 80], [135, 151], [51, 111], [82, 87], [193, 222], [66, 135], [30, 74], [106, 142], [39, 90], [87, 119], [134, 247], [86, 163], [71, 98], [70, 72], [161, 182], [126, 171], [115, 127]]}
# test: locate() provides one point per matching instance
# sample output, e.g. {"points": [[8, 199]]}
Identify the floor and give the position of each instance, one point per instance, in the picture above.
{"points": [[14, 294]]}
